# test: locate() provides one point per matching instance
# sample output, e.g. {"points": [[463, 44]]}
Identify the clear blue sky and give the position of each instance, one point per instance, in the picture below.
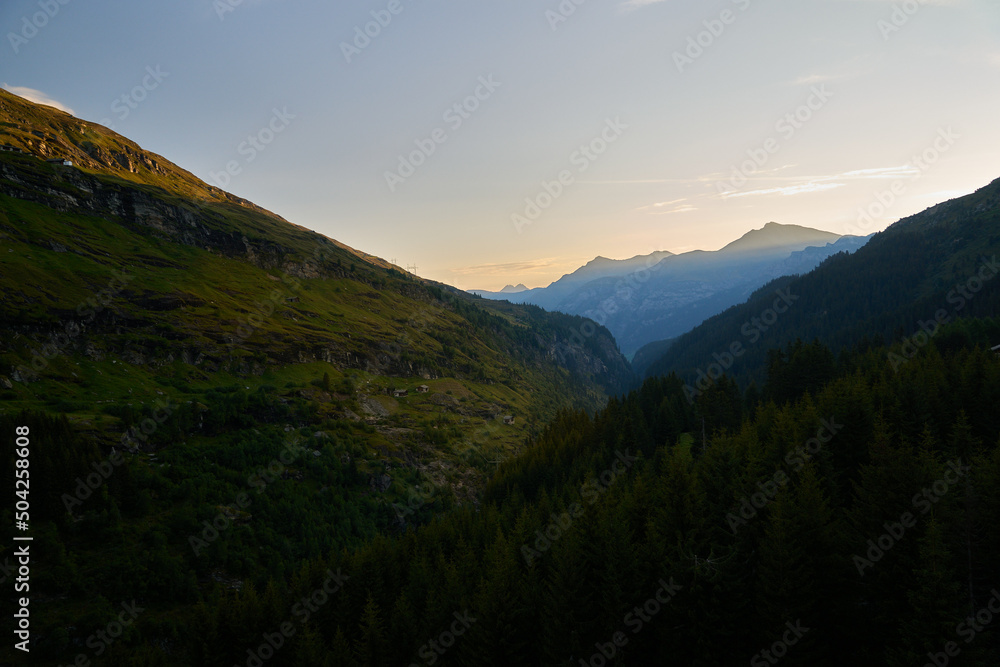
{"points": [[674, 121]]}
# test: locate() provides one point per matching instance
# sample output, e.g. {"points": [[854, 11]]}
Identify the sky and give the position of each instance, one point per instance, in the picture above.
{"points": [[494, 143]]}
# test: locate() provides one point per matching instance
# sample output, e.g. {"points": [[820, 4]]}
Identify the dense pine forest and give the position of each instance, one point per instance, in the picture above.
{"points": [[500, 334], [367, 469], [832, 518]]}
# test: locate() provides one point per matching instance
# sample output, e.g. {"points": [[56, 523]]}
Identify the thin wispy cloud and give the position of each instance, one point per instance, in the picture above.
{"points": [[788, 191], [508, 267], [36, 96], [686, 208], [663, 203], [668, 207], [812, 79], [881, 172], [647, 181], [810, 184], [768, 172]]}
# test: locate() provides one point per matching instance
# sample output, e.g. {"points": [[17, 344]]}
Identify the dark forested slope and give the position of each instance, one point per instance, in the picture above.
{"points": [[938, 265]]}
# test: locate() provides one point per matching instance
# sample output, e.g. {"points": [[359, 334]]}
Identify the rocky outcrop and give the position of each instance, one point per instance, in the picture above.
{"points": [[195, 224]]}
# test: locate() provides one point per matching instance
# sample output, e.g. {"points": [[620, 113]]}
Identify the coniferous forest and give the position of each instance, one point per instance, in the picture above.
{"points": [[851, 521], [233, 441]]}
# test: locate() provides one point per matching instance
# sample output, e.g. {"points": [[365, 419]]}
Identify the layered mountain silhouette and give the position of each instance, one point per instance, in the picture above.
{"points": [[662, 295], [922, 272]]}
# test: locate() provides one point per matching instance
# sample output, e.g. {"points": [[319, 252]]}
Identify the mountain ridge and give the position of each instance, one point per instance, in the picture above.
{"points": [[154, 279], [915, 268], [662, 295]]}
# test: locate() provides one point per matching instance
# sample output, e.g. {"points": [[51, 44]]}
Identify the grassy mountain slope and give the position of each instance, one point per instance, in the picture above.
{"points": [[198, 261], [126, 281], [222, 365]]}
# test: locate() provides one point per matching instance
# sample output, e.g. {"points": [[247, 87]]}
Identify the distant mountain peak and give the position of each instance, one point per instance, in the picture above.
{"points": [[512, 289], [776, 235], [602, 262]]}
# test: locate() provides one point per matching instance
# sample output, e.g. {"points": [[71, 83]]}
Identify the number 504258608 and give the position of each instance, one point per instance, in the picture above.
{"points": [[22, 473]]}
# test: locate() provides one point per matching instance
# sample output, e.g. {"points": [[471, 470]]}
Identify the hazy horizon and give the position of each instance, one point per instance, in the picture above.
{"points": [[590, 259]]}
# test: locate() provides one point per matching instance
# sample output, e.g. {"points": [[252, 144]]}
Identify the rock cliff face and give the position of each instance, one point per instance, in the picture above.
{"points": [[72, 190], [593, 356], [127, 159], [89, 155]]}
